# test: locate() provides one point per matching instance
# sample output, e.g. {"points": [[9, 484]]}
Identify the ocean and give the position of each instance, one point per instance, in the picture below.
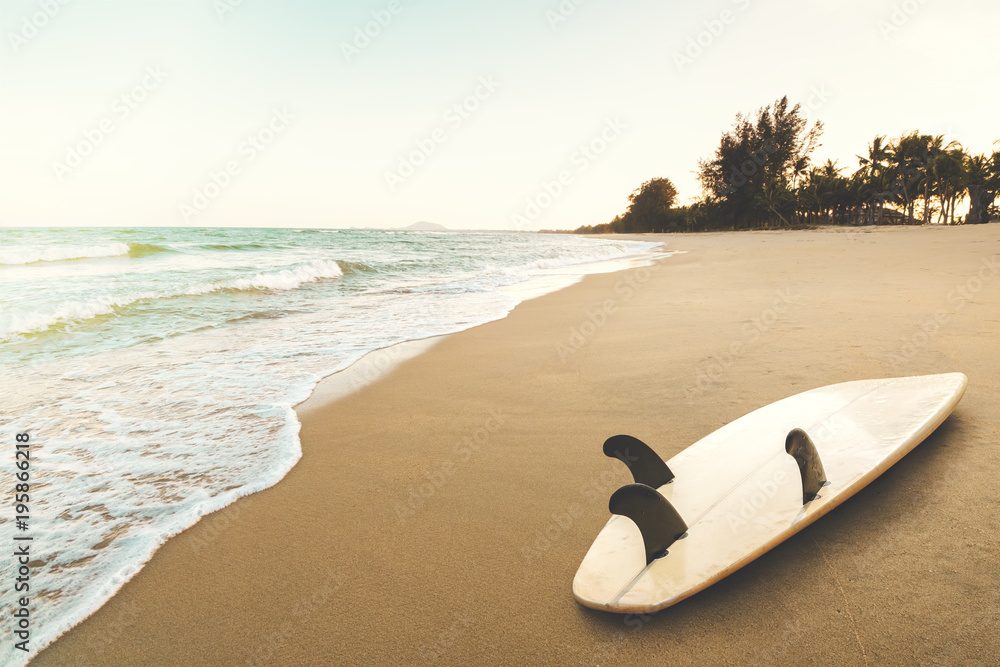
{"points": [[155, 370]]}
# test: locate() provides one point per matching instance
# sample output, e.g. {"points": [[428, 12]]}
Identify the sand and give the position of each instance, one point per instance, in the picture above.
{"points": [[439, 514]]}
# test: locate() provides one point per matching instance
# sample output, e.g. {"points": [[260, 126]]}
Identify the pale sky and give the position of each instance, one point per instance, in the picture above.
{"points": [[473, 115]]}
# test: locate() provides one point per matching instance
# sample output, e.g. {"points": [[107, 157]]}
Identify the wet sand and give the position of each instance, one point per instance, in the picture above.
{"points": [[439, 514]]}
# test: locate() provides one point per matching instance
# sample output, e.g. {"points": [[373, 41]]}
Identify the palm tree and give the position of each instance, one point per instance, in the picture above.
{"points": [[952, 178], [823, 186], [838, 192], [774, 194], [873, 169], [855, 196], [982, 185], [800, 168], [906, 154], [932, 146], [805, 195]]}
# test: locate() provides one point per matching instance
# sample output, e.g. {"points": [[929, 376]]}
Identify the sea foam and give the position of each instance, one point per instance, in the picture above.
{"points": [[165, 384]]}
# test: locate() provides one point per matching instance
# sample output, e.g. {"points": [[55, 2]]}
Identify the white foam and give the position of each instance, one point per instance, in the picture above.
{"points": [[14, 255], [141, 441], [289, 278], [14, 323]]}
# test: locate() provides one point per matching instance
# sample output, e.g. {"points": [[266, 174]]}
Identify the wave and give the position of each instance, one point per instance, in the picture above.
{"points": [[355, 267], [265, 315], [30, 255], [137, 250], [237, 246], [603, 253], [18, 324], [21, 255], [68, 312], [287, 279]]}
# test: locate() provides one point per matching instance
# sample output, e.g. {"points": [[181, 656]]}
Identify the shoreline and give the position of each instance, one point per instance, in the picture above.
{"points": [[367, 369], [341, 373], [379, 362], [507, 431]]}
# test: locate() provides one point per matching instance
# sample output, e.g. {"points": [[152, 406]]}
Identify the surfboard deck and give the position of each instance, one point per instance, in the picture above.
{"points": [[741, 494]]}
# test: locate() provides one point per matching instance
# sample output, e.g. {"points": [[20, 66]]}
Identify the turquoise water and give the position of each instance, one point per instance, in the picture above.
{"points": [[156, 369]]}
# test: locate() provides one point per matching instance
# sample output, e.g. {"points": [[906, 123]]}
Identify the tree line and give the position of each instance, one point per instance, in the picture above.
{"points": [[762, 176]]}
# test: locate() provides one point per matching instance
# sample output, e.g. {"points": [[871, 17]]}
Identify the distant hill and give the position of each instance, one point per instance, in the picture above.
{"points": [[425, 227]]}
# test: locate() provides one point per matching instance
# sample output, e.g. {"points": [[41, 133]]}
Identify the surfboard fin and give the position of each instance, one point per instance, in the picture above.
{"points": [[646, 465], [801, 447], [658, 521]]}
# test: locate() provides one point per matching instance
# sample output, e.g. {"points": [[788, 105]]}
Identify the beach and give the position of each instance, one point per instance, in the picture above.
{"points": [[438, 514]]}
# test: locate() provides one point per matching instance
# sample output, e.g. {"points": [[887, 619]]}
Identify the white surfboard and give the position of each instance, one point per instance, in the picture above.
{"points": [[740, 493]]}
